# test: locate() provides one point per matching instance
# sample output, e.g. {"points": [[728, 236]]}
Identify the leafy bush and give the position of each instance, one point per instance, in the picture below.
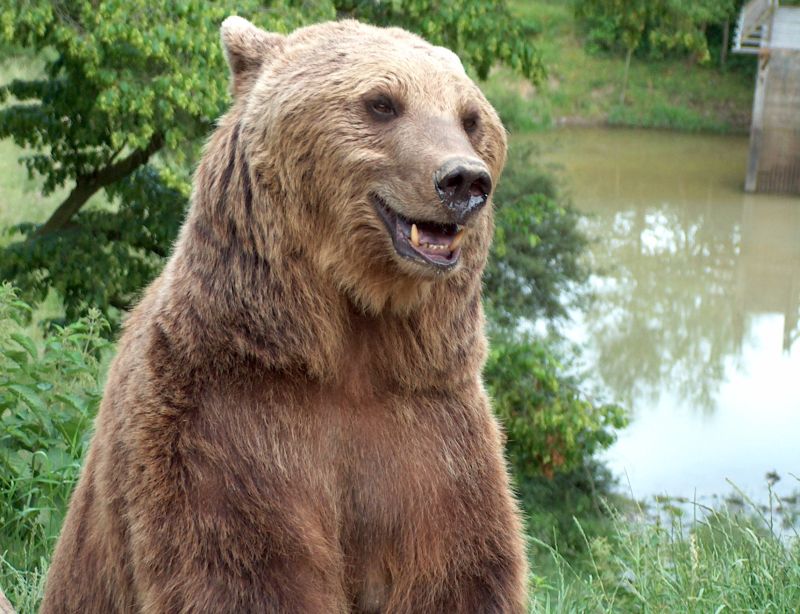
{"points": [[536, 269], [551, 426], [49, 393], [537, 272]]}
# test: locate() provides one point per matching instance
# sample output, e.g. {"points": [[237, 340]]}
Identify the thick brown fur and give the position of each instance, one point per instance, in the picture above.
{"points": [[295, 421]]}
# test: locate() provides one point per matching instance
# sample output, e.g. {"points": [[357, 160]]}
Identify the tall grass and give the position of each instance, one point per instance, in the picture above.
{"points": [[723, 561]]}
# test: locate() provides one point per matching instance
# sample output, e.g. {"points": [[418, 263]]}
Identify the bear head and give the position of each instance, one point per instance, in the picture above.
{"points": [[374, 153]]}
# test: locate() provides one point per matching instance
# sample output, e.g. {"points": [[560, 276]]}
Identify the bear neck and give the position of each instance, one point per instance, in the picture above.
{"points": [[259, 301]]}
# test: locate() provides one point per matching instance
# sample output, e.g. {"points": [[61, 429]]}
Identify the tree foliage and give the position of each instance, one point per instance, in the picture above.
{"points": [[657, 27], [120, 78], [106, 256], [483, 33]]}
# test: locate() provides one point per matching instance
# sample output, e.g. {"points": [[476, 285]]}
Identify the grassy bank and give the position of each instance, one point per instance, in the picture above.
{"points": [[584, 88]]}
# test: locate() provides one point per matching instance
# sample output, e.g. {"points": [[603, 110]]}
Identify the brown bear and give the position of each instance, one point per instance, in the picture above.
{"points": [[295, 420]]}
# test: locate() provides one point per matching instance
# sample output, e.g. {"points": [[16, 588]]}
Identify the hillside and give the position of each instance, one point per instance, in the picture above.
{"points": [[584, 87]]}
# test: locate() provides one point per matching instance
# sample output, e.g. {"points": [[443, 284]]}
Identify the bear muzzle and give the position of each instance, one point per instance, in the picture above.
{"points": [[463, 185]]}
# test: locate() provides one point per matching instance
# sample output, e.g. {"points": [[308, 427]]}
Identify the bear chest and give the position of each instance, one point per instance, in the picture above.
{"points": [[407, 462]]}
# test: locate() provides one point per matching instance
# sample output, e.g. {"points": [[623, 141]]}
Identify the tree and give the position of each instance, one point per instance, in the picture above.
{"points": [[121, 82], [126, 82], [680, 25], [615, 23], [661, 26]]}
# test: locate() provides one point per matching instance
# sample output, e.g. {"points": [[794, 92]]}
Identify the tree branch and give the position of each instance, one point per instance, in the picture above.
{"points": [[87, 185]]}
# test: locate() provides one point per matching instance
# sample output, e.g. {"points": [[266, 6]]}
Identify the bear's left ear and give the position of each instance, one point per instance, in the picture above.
{"points": [[246, 48]]}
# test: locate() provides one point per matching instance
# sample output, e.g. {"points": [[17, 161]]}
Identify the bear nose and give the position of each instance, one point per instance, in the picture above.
{"points": [[463, 186]]}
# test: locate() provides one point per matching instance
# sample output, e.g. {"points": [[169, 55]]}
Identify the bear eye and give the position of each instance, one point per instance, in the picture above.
{"points": [[470, 123], [382, 107]]}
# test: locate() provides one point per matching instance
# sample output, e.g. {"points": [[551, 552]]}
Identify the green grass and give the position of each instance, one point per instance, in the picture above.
{"points": [[584, 88], [720, 562]]}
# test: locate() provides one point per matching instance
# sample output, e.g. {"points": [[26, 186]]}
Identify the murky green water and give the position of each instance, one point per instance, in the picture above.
{"points": [[695, 327]]}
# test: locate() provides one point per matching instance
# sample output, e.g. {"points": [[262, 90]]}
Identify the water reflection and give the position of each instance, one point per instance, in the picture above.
{"points": [[695, 276], [768, 277]]}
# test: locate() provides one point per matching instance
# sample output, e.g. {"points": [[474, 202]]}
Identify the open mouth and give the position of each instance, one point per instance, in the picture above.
{"points": [[430, 243]]}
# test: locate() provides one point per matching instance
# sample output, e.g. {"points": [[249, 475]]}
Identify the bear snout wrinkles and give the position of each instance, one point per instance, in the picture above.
{"points": [[463, 185]]}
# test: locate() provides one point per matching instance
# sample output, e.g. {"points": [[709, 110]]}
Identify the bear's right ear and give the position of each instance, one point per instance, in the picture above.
{"points": [[246, 48]]}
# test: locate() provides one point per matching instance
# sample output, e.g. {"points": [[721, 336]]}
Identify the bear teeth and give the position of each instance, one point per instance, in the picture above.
{"points": [[452, 246], [457, 240]]}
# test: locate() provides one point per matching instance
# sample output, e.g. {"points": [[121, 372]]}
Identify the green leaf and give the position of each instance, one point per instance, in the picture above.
{"points": [[30, 396], [26, 342]]}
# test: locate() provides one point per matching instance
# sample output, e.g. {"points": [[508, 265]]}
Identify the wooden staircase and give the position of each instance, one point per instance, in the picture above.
{"points": [[754, 27]]}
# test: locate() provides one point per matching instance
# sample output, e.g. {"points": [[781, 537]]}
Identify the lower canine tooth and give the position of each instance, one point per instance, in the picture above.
{"points": [[457, 240], [414, 235]]}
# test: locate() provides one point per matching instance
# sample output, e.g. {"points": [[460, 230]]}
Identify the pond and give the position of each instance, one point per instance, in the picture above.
{"points": [[695, 324]]}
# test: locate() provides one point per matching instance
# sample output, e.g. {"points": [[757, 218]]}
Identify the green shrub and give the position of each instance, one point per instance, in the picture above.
{"points": [[551, 426], [49, 393], [537, 267], [536, 272]]}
